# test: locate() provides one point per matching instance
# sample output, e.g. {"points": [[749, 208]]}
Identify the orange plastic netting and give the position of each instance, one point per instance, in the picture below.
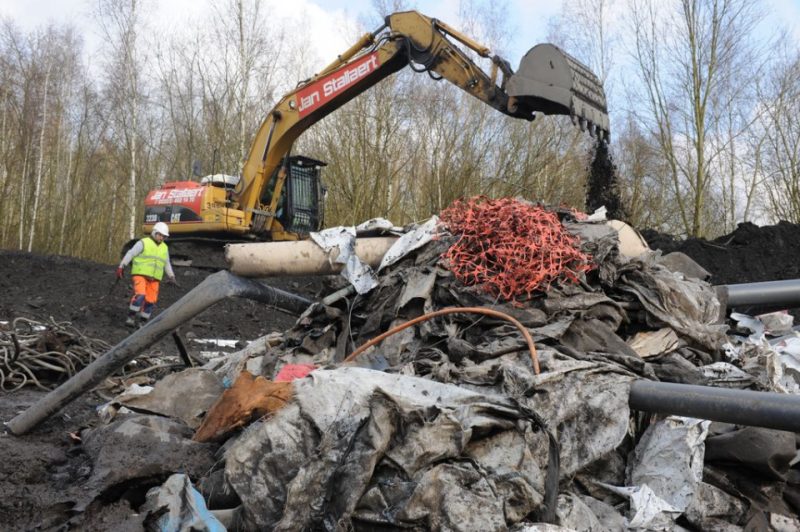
{"points": [[511, 247]]}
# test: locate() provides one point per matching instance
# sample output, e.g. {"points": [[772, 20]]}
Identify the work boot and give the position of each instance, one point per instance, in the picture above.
{"points": [[130, 322]]}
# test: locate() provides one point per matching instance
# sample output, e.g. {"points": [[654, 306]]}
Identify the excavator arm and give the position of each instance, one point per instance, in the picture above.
{"points": [[548, 81]]}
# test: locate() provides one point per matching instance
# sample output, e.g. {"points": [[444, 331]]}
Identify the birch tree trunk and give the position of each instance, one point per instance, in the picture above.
{"points": [[244, 74], [113, 216], [67, 200], [22, 192], [37, 191], [131, 65]]}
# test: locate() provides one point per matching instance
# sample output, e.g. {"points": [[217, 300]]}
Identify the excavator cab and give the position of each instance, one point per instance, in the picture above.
{"points": [[551, 81], [300, 209]]}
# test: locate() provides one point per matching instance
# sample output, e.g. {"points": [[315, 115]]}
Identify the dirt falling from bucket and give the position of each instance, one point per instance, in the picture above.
{"points": [[602, 187]]}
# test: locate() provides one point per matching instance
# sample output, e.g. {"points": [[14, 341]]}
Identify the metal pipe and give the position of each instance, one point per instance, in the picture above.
{"points": [[772, 293], [741, 407], [214, 288]]}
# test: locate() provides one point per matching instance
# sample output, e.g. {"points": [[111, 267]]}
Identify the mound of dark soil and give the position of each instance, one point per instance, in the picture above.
{"points": [[748, 254], [85, 294]]}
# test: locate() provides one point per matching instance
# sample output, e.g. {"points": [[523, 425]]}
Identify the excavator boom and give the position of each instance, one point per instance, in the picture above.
{"points": [[272, 201]]}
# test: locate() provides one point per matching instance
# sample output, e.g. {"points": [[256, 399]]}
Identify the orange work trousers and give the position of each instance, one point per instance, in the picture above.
{"points": [[145, 295]]}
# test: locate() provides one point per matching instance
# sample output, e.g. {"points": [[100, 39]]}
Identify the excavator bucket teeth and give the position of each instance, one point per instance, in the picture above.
{"points": [[553, 82]]}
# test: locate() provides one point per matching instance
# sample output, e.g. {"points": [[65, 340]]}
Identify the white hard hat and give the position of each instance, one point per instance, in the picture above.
{"points": [[162, 228]]}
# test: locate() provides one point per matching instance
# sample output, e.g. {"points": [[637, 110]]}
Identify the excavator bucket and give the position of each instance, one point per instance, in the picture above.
{"points": [[553, 82]]}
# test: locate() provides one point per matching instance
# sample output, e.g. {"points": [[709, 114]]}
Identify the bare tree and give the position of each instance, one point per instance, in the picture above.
{"points": [[38, 188], [587, 29], [689, 56], [780, 137], [120, 22]]}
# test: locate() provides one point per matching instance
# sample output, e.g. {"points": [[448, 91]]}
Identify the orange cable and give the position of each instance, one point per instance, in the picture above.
{"points": [[442, 312]]}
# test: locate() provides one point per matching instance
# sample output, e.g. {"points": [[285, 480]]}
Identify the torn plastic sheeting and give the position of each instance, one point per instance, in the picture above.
{"points": [[414, 239], [647, 511], [108, 411], [776, 323], [682, 263], [573, 513], [186, 395], [337, 447], [229, 367], [600, 214], [754, 325], [343, 239], [724, 374], [588, 402], [142, 447], [713, 509], [378, 224], [177, 506], [609, 517], [651, 343], [781, 355], [541, 527], [687, 305], [669, 459], [766, 452], [419, 285], [216, 342]]}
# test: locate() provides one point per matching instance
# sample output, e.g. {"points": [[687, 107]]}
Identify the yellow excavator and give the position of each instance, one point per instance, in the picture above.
{"points": [[279, 196]]}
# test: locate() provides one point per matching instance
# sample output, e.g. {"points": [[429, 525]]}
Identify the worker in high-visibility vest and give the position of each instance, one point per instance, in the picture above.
{"points": [[150, 258]]}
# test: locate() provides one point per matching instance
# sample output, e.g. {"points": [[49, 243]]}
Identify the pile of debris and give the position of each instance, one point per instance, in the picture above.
{"points": [[418, 400]]}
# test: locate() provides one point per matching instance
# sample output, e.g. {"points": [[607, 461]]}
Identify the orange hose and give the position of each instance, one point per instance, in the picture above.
{"points": [[442, 312]]}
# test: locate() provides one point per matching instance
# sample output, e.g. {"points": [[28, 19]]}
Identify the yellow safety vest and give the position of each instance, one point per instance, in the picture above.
{"points": [[151, 261]]}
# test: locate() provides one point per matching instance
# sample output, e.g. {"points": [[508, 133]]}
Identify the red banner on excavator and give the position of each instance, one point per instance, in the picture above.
{"points": [[327, 88]]}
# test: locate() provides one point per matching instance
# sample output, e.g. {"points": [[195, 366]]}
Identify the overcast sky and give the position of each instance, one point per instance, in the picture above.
{"points": [[529, 25], [330, 23], [325, 20]]}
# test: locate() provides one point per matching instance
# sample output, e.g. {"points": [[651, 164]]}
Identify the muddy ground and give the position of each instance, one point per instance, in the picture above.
{"points": [[35, 469]]}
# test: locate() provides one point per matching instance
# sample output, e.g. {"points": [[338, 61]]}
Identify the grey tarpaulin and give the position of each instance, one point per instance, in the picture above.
{"points": [[186, 396], [414, 239], [713, 509], [587, 402], [366, 446], [153, 447], [357, 272], [647, 511], [688, 305], [669, 459], [361, 275]]}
